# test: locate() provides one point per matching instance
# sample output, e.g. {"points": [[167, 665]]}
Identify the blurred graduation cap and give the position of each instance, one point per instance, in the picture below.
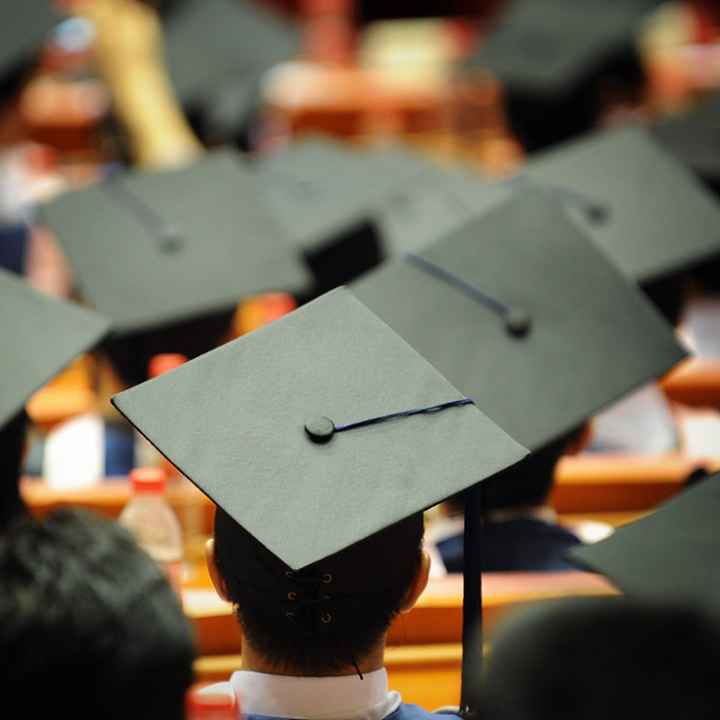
{"points": [[555, 59], [670, 555], [167, 255], [24, 29], [309, 419], [522, 312], [40, 336], [693, 137], [326, 196], [659, 220], [216, 53]]}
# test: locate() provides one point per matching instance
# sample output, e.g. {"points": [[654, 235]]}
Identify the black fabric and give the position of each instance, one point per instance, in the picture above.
{"points": [[521, 544]]}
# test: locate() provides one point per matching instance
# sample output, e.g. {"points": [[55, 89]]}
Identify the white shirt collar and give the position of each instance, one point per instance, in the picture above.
{"points": [[315, 698]]}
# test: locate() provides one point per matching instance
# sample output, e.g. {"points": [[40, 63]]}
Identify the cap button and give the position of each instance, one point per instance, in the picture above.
{"points": [[171, 240], [597, 214], [517, 322], [320, 430]]}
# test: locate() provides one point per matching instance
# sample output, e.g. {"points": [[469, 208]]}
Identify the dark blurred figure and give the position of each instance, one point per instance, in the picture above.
{"points": [[600, 658], [519, 532], [89, 626], [12, 451]]}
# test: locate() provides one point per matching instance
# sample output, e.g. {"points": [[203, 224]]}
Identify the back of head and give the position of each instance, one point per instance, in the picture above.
{"points": [[529, 482], [328, 616], [88, 623], [596, 658], [130, 355], [12, 444]]}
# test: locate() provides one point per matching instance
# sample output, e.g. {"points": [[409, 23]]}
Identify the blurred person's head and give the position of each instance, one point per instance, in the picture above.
{"points": [[529, 483], [89, 625], [600, 658], [328, 619]]}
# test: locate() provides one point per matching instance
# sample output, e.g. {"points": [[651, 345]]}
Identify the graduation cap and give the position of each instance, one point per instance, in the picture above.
{"points": [[667, 556], [40, 336], [659, 219], [552, 58], [693, 137], [155, 251], [326, 196], [24, 29], [216, 53], [319, 431], [522, 312]]}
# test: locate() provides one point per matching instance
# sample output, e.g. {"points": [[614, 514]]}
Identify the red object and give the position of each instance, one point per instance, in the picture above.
{"points": [[148, 480], [210, 706], [165, 362]]}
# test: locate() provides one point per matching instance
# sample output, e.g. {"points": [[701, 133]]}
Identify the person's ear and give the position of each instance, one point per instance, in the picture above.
{"points": [[217, 579], [419, 584]]}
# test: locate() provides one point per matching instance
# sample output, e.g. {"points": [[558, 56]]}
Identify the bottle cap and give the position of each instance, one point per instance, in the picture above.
{"points": [[148, 480], [164, 362]]}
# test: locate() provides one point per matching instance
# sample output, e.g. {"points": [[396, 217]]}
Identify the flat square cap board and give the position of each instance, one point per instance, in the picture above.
{"points": [[522, 312], [669, 555], [25, 27], [39, 336], [547, 47], [661, 220], [237, 422], [693, 137], [217, 51], [152, 248]]}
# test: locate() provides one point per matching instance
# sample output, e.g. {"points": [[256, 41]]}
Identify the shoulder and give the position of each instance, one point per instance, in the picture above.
{"points": [[414, 712]]}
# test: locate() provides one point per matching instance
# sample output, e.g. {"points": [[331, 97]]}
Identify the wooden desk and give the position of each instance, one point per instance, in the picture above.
{"points": [[695, 382], [435, 620], [612, 483]]}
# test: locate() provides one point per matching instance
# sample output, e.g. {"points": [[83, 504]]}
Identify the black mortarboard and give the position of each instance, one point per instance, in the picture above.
{"points": [[325, 195], [693, 137], [39, 336], [149, 249], [216, 53], [522, 312], [670, 555], [24, 28], [399, 437], [658, 219], [552, 57]]}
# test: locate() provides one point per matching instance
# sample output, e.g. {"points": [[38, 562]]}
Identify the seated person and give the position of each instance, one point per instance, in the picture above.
{"points": [[519, 529], [595, 658], [291, 670], [89, 626]]}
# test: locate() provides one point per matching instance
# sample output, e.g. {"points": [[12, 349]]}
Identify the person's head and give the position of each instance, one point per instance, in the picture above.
{"points": [[599, 658], [88, 623], [12, 451], [527, 484], [130, 355], [329, 617]]}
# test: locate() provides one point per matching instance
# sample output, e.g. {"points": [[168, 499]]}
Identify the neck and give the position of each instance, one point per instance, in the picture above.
{"points": [[254, 661]]}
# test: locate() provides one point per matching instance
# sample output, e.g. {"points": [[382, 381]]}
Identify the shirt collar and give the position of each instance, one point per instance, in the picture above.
{"points": [[315, 698]]}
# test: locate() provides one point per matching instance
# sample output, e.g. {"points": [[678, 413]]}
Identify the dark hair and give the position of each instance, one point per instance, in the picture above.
{"points": [[130, 355], [329, 615], [599, 658], [526, 484], [669, 295], [88, 623], [12, 443]]}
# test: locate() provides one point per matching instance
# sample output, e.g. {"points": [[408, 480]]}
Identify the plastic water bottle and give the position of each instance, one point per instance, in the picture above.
{"points": [[151, 520]]}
